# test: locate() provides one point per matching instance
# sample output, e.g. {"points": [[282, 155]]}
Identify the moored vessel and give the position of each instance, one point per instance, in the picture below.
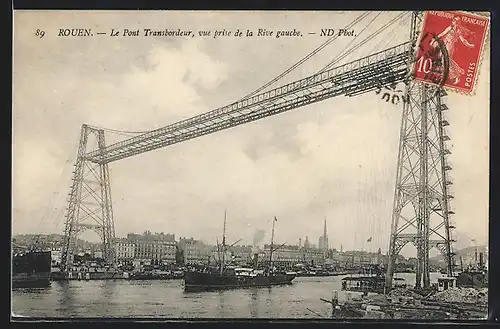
{"points": [[152, 275], [233, 278], [31, 269], [369, 280]]}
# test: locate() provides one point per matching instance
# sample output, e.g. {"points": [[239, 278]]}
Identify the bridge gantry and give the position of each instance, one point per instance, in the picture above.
{"points": [[424, 187]]}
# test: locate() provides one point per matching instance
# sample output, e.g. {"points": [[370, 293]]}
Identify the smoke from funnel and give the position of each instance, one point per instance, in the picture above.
{"points": [[258, 236]]}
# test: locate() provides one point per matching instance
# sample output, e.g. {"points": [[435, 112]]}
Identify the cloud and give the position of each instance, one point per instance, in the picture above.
{"points": [[47, 124]]}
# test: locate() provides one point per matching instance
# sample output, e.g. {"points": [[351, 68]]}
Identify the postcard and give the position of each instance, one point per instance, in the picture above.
{"points": [[250, 164]]}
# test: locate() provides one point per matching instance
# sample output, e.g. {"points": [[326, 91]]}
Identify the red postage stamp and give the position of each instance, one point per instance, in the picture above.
{"points": [[450, 49]]}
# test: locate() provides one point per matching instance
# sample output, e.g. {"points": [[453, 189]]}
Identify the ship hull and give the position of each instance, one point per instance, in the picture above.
{"points": [[31, 269], [196, 281], [85, 276], [38, 280], [151, 277], [472, 279]]}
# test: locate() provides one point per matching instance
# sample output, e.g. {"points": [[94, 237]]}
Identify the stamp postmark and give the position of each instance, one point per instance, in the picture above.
{"points": [[450, 49]]}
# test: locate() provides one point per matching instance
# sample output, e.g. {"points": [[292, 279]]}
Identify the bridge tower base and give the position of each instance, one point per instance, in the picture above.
{"points": [[89, 205]]}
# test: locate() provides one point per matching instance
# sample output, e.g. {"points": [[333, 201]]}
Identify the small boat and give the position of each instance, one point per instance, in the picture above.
{"points": [[369, 280], [364, 284]]}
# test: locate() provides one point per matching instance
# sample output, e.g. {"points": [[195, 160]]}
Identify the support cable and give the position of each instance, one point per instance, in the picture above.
{"points": [[349, 44], [391, 33], [371, 36], [307, 57], [303, 60], [269, 83]]}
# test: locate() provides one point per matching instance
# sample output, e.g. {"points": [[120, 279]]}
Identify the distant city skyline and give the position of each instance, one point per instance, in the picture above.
{"points": [[263, 237], [300, 241]]}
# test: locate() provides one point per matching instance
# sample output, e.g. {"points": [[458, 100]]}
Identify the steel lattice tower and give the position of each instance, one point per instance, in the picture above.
{"points": [[421, 210], [89, 205]]}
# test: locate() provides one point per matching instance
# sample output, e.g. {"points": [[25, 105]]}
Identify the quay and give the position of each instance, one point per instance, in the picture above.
{"points": [[114, 274]]}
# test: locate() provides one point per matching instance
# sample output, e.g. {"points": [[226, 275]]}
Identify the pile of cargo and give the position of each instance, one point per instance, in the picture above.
{"points": [[462, 295], [401, 292], [400, 303]]}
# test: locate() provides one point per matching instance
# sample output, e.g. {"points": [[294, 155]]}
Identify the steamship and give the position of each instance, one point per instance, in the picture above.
{"points": [[31, 269], [224, 277], [474, 276]]}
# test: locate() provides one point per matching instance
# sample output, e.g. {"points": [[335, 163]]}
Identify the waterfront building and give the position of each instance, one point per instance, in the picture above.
{"points": [[195, 252], [286, 256], [56, 256], [357, 258], [147, 235], [155, 250], [313, 256], [241, 254], [157, 247], [216, 256], [289, 256], [124, 250]]}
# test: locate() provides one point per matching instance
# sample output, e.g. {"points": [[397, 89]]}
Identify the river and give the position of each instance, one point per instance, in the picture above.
{"points": [[167, 299]]}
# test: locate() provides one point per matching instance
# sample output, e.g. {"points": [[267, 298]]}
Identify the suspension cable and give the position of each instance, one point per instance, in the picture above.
{"points": [[386, 41], [349, 44], [363, 42], [374, 34], [300, 62], [293, 67], [307, 57]]}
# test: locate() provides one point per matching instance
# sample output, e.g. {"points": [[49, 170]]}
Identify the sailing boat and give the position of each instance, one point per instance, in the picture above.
{"points": [[232, 278]]}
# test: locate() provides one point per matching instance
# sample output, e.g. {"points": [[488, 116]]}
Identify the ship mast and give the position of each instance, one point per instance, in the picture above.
{"points": [[218, 252], [272, 242], [223, 243]]}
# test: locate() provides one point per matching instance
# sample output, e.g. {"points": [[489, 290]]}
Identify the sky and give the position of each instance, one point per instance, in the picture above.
{"points": [[333, 160]]}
